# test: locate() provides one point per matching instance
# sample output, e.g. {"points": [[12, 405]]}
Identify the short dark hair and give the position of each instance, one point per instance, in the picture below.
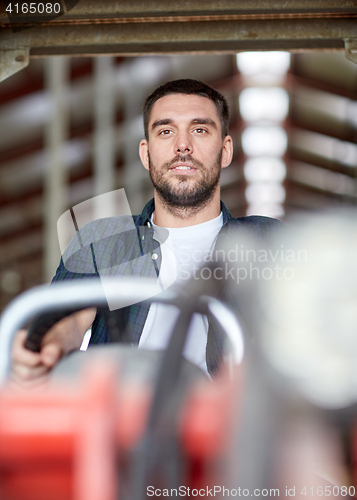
{"points": [[188, 86]]}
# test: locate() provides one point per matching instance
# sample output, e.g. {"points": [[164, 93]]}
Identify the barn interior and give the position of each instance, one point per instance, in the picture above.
{"points": [[70, 119], [73, 80]]}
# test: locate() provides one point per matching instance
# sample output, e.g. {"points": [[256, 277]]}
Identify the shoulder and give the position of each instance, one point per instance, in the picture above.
{"points": [[256, 224], [252, 222], [93, 246], [100, 230], [256, 230]]}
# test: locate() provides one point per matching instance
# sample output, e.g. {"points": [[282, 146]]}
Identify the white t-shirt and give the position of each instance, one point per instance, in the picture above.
{"points": [[184, 253]]}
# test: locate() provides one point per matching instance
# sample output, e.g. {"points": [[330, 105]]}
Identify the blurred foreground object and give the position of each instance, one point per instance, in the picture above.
{"points": [[296, 296], [282, 421], [115, 420], [309, 321]]}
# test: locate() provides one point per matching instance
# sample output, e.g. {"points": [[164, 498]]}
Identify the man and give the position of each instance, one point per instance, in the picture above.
{"points": [[185, 147]]}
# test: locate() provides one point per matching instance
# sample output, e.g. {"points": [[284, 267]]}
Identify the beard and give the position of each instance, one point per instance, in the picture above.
{"points": [[183, 192]]}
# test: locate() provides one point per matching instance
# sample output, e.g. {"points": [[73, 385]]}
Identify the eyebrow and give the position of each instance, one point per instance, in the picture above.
{"points": [[198, 121]]}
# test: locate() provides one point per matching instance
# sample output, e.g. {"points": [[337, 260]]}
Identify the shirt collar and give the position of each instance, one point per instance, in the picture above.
{"points": [[149, 208], [145, 215]]}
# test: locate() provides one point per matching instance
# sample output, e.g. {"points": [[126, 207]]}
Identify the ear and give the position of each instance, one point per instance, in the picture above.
{"points": [[144, 153], [227, 151]]}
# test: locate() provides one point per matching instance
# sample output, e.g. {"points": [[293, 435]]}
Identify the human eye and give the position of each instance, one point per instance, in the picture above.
{"points": [[200, 131], [165, 132]]}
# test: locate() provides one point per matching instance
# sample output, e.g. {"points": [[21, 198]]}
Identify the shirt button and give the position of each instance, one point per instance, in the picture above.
{"points": [[154, 256], [149, 225], [143, 237]]}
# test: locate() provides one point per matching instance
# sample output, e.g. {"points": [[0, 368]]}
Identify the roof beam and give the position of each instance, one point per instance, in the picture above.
{"points": [[177, 37], [108, 9], [161, 27], [308, 157], [316, 121]]}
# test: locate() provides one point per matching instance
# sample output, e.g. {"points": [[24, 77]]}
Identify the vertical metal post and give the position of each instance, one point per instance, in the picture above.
{"points": [[134, 173], [104, 120], [55, 190]]}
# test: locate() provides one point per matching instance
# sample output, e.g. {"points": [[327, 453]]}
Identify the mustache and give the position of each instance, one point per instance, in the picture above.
{"points": [[184, 159]]}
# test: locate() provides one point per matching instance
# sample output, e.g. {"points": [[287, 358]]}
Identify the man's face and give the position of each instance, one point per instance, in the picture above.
{"points": [[185, 151]]}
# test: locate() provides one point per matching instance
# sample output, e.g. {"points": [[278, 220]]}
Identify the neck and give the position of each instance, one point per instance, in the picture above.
{"points": [[168, 216]]}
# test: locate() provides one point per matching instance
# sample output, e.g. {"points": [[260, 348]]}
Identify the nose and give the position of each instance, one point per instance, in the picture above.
{"points": [[183, 143]]}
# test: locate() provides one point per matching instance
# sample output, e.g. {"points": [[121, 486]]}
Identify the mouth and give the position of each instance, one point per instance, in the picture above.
{"points": [[183, 168]]}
